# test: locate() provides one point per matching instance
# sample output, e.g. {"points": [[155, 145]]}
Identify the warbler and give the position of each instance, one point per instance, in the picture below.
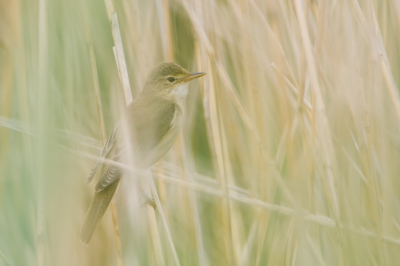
{"points": [[147, 130]]}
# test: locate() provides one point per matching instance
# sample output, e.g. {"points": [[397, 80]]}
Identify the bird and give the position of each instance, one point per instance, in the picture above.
{"points": [[145, 133]]}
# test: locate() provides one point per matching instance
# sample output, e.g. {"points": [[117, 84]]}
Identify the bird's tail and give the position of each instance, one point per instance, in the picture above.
{"points": [[96, 211]]}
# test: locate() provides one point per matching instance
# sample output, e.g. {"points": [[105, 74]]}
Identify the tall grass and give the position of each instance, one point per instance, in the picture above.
{"points": [[289, 154]]}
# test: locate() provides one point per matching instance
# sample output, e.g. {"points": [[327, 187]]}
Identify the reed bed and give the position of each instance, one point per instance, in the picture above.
{"points": [[289, 154]]}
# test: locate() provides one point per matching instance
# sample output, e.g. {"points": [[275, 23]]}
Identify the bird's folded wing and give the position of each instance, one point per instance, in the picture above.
{"points": [[109, 173], [148, 129], [106, 150]]}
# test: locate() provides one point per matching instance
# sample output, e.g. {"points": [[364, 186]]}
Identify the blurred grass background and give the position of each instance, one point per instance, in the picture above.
{"points": [[289, 154]]}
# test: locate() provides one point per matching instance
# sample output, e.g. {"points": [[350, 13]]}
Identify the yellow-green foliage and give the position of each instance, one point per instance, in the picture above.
{"points": [[289, 154]]}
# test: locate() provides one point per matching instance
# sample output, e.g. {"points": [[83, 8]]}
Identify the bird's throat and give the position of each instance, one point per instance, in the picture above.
{"points": [[181, 91]]}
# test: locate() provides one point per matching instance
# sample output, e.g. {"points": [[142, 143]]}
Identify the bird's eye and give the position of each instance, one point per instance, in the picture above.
{"points": [[171, 79]]}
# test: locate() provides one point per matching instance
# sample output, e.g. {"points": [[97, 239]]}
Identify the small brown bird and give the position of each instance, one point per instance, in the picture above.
{"points": [[145, 133]]}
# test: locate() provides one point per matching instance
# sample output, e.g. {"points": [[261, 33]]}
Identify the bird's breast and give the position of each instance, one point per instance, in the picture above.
{"points": [[169, 137]]}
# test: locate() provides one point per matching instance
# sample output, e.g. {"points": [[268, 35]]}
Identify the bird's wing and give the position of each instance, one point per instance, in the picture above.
{"points": [[109, 173], [147, 129], [96, 210], [110, 143], [106, 150]]}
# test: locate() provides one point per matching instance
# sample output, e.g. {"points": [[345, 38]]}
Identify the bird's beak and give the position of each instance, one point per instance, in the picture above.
{"points": [[193, 76]]}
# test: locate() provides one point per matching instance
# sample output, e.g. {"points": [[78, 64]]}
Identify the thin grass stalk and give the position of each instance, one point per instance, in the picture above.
{"points": [[120, 59], [234, 218], [294, 90], [203, 259], [211, 118], [6, 99], [96, 88], [102, 134], [315, 249], [253, 98], [15, 96], [5, 108], [168, 54], [227, 85], [168, 50], [321, 20], [217, 126], [42, 121], [189, 196], [322, 128], [165, 26], [378, 52], [164, 221], [154, 233], [122, 70], [221, 174], [234, 233], [275, 40], [194, 204], [103, 140]]}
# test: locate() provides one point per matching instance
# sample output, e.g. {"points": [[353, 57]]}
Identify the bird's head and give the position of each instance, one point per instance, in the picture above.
{"points": [[169, 80]]}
